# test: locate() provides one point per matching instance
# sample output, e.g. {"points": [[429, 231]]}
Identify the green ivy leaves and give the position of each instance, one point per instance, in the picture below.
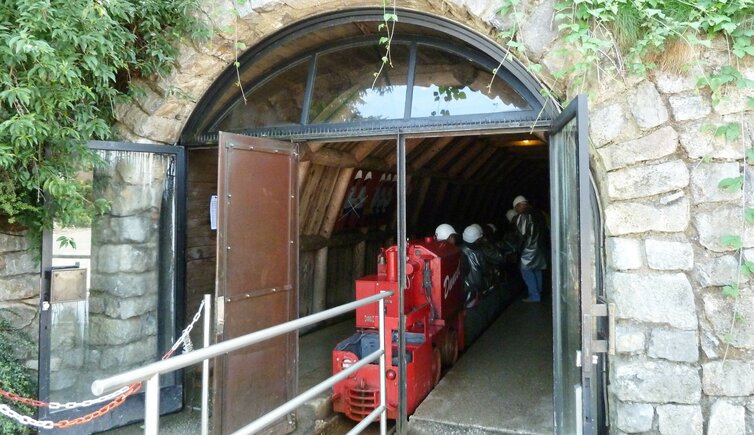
{"points": [[731, 241], [66, 66], [731, 184]]}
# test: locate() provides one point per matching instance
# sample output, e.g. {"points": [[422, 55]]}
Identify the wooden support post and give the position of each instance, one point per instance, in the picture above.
{"points": [[336, 200], [319, 294], [303, 172], [321, 201], [307, 195]]}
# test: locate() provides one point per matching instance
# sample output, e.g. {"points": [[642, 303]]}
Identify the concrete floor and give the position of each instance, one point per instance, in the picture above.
{"points": [[502, 384]]}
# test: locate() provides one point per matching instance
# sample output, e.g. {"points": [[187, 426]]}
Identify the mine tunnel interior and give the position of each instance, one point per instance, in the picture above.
{"points": [[458, 180]]}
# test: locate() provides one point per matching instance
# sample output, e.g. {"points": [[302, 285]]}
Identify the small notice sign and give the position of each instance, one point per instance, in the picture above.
{"points": [[213, 212]]}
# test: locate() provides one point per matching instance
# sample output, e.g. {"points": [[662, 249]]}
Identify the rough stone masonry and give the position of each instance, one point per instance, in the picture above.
{"points": [[657, 171]]}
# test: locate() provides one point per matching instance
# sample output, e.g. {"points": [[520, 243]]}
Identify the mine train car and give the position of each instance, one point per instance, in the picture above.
{"points": [[434, 313]]}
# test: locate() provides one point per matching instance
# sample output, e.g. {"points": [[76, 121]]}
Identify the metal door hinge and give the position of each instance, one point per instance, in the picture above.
{"points": [[607, 345], [219, 315]]}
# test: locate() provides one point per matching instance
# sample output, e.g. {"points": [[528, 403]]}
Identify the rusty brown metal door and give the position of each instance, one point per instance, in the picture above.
{"points": [[257, 272]]}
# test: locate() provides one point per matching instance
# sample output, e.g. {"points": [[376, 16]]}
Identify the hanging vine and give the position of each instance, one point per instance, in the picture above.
{"points": [[610, 39]]}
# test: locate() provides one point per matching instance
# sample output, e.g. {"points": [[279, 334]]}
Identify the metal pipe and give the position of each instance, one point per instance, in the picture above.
{"points": [[367, 420], [262, 422], [152, 406], [112, 383], [205, 367], [400, 421], [383, 404]]}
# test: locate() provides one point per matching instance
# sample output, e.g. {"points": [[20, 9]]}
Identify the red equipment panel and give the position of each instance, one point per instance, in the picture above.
{"points": [[433, 309], [437, 263]]}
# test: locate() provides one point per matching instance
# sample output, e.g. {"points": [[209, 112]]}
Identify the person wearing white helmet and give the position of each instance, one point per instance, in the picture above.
{"points": [[474, 282], [444, 231], [531, 247]]}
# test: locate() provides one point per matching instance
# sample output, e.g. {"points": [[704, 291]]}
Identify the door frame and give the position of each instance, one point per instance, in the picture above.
{"points": [[401, 216]]}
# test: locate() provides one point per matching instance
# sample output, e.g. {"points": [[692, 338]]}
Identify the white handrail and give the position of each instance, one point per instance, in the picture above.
{"points": [[265, 420], [152, 371]]}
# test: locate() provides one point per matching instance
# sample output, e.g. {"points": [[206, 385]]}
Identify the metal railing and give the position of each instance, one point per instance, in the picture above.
{"points": [[151, 373]]}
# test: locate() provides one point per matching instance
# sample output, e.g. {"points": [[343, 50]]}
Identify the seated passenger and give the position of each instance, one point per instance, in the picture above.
{"points": [[474, 265], [446, 232]]}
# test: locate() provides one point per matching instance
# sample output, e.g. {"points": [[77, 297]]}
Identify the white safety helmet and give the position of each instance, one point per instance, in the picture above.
{"points": [[510, 214], [444, 231], [472, 233], [493, 227], [519, 199]]}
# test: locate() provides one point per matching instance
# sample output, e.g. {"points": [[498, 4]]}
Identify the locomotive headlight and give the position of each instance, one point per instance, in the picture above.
{"points": [[346, 363]]}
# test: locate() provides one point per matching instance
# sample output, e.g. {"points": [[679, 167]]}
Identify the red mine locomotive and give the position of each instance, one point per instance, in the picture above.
{"points": [[434, 311]]}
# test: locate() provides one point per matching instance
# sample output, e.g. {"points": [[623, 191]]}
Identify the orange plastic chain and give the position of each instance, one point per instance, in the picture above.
{"points": [[26, 401], [133, 388]]}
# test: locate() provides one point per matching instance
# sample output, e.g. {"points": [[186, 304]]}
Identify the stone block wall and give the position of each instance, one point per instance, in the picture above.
{"points": [[19, 286], [657, 171]]}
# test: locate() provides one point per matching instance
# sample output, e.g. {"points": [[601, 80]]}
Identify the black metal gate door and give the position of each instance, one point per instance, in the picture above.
{"points": [[112, 292], [578, 378]]}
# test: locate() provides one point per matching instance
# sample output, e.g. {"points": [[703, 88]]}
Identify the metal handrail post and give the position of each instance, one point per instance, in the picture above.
{"points": [[205, 367], [152, 406], [383, 404]]}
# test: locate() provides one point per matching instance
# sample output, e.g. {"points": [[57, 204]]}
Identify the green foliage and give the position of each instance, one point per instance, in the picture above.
{"points": [[747, 269], [66, 64], [387, 26], [732, 241], [731, 291], [749, 215], [14, 377], [731, 184]]}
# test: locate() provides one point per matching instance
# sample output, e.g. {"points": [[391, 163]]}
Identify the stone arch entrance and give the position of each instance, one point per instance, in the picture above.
{"points": [[333, 140], [169, 102]]}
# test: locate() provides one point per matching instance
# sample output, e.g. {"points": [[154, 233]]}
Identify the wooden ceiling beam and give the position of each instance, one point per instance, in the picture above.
{"points": [[437, 146], [471, 170], [473, 152], [499, 159], [450, 154]]}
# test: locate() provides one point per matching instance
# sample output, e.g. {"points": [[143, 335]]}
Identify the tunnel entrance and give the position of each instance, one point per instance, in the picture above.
{"points": [[460, 180], [450, 134]]}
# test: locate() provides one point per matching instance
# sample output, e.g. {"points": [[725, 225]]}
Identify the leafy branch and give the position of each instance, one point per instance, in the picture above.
{"points": [[389, 19], [67, 65]]}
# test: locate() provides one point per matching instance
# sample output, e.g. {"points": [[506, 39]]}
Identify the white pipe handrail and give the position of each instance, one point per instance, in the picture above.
{"points": [[151, 373], [299, 400], [140, 374]]}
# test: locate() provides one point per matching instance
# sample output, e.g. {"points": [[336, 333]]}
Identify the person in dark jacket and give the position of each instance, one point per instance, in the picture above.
{"points": [[532, 257], [473, 266], [478, 256]]}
